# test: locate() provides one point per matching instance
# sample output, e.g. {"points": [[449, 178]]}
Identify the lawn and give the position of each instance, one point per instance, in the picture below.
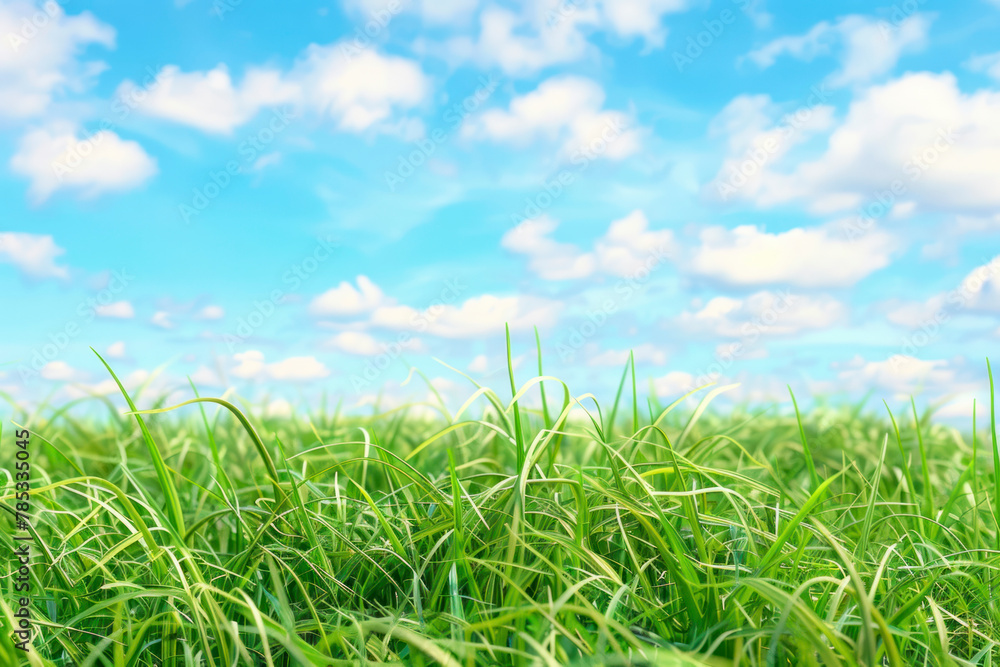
{"points": [[543, 530]]}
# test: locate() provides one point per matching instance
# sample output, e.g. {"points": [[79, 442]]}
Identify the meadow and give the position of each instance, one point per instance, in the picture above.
{"points": [[534, 527]]}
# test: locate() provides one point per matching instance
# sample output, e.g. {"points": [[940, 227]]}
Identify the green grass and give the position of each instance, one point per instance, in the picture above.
{"points": [[509, 535]]}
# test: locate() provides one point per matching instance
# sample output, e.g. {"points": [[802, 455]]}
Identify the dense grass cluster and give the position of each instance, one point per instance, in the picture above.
{"points": [[642, 534]]}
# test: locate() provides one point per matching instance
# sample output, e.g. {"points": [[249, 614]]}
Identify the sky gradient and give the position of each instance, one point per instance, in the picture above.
{"points": [[317, 197]]}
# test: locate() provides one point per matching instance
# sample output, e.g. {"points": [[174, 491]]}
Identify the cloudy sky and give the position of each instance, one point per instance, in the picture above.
{"points": [[319, 196]]}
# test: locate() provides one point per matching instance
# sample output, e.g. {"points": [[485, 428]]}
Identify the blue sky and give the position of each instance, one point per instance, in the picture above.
{"points": [[316, 197]]}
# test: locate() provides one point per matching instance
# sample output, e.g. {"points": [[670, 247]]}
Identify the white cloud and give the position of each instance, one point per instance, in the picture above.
{"points": [[674, 384], [132, 381], [988, 63], [211, 312], [960, 407], [759, 134], [520, 45], [549, 259], [870, 48], [478, 316], [644, 354], [447, 11], [356, 89], [60, 371], [904, 376], [629, 245], [297, 369], [206, 377], [764, 313], [641, 18], [978, 292], [251, 365], [39, 56], [279, 408], [162, 319], [566, 109], [554, 32], [919, 134], [346, 299], [626, 248], [431, 11], [57, 157], [116, 350], [34, 254], [122, 310], [818, 257], [209, 100], [365, 345], [480, 365]]}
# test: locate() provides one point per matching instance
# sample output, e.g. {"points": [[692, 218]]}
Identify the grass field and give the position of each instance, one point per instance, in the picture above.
{"points": [[627, 534]]}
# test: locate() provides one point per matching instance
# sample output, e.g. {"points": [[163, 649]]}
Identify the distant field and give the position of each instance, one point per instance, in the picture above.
{"points": [[632, 534]]}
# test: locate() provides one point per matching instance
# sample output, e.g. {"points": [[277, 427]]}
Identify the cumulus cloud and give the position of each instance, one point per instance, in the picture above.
{"points": [[479, 365], [40, 54], [251, 365], [297, 369], [759, 133], [60, 371], [365, 345], [978, 292], [869, 48], [818, 257], [627, 247], [57, 157], [522, 45], [554, 32], [137, 378], [211, 312], [357, 90], [565, 109], [34, 254], [904, 376], [116, 350], [346, 299], [210, 101], [914, 139], [641, 18], [206, 377], [121, 310], [440, 12], [478, 316], [674, 384], [764, 313], [161, 319]]}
